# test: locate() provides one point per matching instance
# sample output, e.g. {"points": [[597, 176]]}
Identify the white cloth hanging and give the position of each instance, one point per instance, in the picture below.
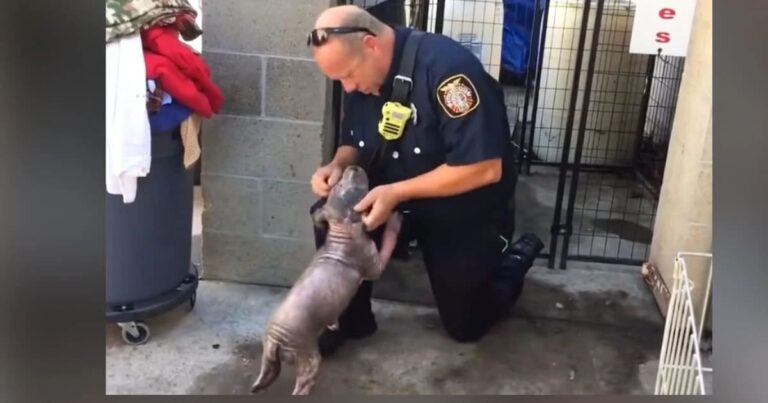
{"points": [[128, 134]]}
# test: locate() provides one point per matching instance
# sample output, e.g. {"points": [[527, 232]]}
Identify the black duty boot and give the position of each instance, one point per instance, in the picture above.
{"points": [[331, 339], [516, 262], [526, 249]]}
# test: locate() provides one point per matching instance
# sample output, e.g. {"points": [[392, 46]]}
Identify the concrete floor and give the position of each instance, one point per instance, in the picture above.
{"points": [[592, 329], [215, 349], [613, 216]]}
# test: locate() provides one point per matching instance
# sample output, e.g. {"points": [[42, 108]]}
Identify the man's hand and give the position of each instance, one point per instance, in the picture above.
{"points": [[381, 200], [325, 177]]}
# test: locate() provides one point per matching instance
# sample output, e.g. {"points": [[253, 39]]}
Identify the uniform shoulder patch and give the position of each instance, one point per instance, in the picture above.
{"points": [[457, 96]]}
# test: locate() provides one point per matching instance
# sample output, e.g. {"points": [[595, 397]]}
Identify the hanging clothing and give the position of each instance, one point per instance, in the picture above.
{"points": [[187, 26], [190, 131], [168, 117], [165, 41], [127, 17], [128, 136], [171, 80], [156, 97]]}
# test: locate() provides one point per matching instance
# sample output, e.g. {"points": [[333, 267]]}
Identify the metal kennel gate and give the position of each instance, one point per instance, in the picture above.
{"points": [[600, 118], [590, 115]]}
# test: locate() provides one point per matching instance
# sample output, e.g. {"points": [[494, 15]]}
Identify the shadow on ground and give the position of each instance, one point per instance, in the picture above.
{"points": [[216, 349]]}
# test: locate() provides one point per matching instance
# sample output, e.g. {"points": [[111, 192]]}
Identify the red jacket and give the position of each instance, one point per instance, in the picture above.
{"points": [[164, 41], [174, 82]]}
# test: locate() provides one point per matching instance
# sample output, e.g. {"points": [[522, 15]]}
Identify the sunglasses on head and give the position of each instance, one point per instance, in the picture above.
{"points": [[319, 36]]}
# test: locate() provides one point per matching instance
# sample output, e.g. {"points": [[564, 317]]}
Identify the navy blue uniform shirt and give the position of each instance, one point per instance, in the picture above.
{"points": [[460, 118]]}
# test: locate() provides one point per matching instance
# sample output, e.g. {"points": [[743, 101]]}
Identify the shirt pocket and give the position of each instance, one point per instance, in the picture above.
{"points": [[423, 142]]}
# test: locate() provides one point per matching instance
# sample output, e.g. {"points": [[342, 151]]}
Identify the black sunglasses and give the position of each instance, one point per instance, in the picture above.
{"points": [[319, 36]]}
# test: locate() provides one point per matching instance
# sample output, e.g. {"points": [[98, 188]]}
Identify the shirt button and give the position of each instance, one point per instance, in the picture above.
{"points": [[361, 143], [417, 150], [395, 155]]}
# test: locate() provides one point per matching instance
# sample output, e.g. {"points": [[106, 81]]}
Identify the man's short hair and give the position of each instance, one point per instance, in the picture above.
{"points": [[363, 19]]}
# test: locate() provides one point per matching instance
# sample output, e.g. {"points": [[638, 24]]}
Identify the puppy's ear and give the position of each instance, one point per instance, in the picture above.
{"points": [[355, 217], [319, 218]]}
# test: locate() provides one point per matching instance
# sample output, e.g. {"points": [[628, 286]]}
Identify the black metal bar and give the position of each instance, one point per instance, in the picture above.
{"points": [[439, 16], [336, 114], [647, 185], [540, 65], [584, 167], [556, 227], [644, 108], [423, 15], [582, 130], [602, 259], [522, 155]]}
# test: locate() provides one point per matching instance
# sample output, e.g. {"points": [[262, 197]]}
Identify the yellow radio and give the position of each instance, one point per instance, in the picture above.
{"points": [[394, 117]]}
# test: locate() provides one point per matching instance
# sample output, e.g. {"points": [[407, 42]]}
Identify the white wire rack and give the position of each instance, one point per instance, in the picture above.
{"points": [[680, 364]]}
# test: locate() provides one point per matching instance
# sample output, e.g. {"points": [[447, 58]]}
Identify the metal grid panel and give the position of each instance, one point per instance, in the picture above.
{"points": [[613, 218], [477, 24], [617, 88], [681, 370], [614, 213], [611, 215], [592, 109], [652, 150]]}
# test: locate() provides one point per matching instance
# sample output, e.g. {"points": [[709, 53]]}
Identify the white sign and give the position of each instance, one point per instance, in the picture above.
{"points": [[662, 25]]}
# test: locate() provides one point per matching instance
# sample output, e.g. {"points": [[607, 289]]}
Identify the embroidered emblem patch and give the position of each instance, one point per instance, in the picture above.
{"points": [[457, 95]]}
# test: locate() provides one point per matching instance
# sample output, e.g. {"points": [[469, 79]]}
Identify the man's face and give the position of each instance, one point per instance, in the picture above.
{"points": [[357, 71]]}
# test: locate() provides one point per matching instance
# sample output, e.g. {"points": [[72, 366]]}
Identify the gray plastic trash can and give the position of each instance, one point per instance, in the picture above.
{"points": [[148, 243]]}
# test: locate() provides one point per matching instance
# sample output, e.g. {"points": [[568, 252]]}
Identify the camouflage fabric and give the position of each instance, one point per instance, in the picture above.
{"points": [[126, 17]]}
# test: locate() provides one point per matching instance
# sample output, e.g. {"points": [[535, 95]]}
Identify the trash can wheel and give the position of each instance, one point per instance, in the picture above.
{"points": [[192, 300], [135, 333]]}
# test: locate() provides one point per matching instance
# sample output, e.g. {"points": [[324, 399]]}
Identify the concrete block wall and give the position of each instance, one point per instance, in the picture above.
{"points": [[259, 153]]}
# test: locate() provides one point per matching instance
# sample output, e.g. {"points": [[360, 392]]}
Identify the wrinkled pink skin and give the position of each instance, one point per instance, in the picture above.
{"points": [[327, 286]]}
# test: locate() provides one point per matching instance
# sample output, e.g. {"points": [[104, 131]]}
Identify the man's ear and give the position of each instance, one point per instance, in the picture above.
{"points": [[370, 41]]}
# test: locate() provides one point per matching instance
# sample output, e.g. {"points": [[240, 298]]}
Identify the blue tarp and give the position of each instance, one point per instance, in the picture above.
{"points": [[521, 20]]}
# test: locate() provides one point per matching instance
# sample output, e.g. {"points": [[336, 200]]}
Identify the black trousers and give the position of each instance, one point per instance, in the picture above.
{"points": [[462, 252]]}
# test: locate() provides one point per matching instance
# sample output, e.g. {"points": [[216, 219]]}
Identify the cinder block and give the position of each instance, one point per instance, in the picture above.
{"points": [[257, 260], [261, 148], [232, 204], [279, 262], [405, 281], [240, 79], [286, 209], [274, 27], [295, 90]]}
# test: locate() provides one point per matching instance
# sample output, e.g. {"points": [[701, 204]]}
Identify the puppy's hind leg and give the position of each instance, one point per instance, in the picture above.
{"points": [[270, 365], [307, 366]]}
